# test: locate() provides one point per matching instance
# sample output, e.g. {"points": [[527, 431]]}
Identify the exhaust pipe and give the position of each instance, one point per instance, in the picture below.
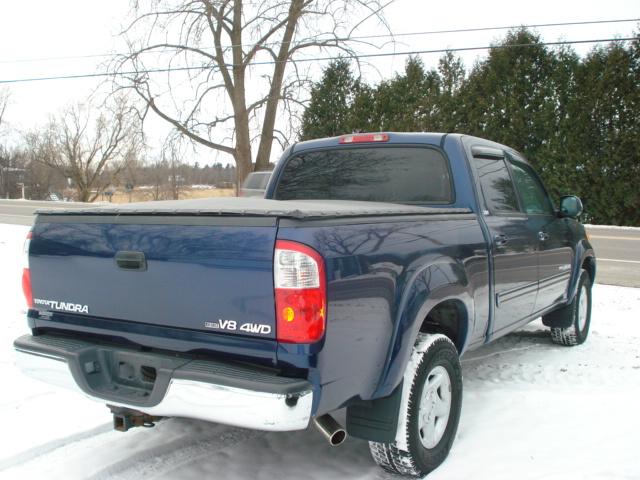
{"points": [[331, 429]]}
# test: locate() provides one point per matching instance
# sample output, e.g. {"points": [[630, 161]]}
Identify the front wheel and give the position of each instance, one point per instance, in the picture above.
{"points": [[429, 412]]}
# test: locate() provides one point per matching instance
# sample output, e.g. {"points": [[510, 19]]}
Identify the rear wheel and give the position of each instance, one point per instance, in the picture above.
{"points": [[430, 410], [577, 315]]}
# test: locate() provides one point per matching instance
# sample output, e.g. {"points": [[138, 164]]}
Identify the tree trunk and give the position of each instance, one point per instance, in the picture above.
{"points": [[83, 195], [268, 124]]}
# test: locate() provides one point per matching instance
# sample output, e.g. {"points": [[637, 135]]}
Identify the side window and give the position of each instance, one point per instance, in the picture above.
{"points": [[532, 194], [497, 187]]}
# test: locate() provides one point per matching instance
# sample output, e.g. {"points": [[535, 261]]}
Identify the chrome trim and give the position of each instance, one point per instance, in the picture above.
{"points": [[191, 399], [330, 429], [555, 279], [583, 308], [434, 407], [40, 354], [511, 294]]}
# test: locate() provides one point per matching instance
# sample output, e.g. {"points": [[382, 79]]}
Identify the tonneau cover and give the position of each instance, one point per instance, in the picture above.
{"points": [[232, 206]]}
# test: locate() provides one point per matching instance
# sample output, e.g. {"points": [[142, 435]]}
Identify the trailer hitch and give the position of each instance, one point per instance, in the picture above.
{"points": [[125, 418]]}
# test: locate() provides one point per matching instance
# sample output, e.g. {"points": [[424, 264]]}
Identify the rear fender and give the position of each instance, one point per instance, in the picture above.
{"points": [[440, 281]]}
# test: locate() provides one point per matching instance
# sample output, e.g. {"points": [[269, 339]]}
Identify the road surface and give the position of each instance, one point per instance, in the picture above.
{"points": [[20, 212], [618, 255], [617, 250]]}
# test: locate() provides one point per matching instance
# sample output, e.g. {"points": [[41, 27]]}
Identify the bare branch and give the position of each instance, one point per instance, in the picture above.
{"points": [[4, 103], [184, 130], [221, 106], [89, 150]]}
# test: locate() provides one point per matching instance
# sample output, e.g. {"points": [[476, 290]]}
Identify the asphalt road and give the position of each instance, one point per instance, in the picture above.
{"points": [[20, 212], [618, 255], [617, 250]]}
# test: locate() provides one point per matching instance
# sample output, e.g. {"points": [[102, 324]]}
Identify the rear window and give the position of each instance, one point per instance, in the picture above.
{"points": [[387, 174]]}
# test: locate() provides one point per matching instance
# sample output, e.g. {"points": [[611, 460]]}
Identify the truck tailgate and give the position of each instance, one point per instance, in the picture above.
{"points": [[203, 274]]}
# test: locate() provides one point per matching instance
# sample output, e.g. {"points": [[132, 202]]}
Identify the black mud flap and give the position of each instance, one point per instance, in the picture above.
{"points": [[375, 420]]}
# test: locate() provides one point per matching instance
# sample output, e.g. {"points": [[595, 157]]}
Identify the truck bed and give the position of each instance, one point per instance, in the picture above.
{"points": [[177, 273]]}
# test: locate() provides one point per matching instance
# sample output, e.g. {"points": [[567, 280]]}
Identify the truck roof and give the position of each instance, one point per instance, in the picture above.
{"points": [[429, 138]]}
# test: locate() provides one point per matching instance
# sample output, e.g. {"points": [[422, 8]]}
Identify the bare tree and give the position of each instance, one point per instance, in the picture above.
{"points": [[11, 171], [4, 103], [41, 181], [11, 167], [172, 161], [232, 64], [89, 150]]}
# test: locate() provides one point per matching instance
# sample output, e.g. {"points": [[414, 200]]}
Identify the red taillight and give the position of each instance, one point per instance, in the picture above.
{"points": [[26, 287], [26, 275], [300, 293], [365, 138]]}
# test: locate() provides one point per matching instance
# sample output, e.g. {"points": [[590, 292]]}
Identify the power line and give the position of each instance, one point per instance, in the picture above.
{"points": [[362, 37], [507, 27], [316, 59]]}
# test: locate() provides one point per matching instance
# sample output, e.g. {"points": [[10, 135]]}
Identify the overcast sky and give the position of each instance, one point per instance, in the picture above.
{"points": [[35, 34]]}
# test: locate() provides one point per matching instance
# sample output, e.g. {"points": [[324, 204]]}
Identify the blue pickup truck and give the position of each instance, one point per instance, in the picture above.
{"points": [[373, 263]]}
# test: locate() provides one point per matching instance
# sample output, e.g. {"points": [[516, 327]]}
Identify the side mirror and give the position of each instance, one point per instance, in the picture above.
{"points": [[570, 206]]}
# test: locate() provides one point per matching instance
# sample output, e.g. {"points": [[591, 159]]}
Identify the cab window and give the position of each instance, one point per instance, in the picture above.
{"points": [[532, 194], [497, 187]]}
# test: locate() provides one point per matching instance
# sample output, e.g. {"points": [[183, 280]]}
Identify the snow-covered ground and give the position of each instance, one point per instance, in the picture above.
{"points": [[531, 410]]}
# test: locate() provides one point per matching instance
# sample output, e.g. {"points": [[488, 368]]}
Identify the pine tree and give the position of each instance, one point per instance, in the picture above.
{"points": [[409, 102], [452, 76], [606, 117], [329, 111]]}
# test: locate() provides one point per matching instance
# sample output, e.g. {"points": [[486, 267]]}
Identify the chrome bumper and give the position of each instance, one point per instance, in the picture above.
{"points": [[189, 398]]}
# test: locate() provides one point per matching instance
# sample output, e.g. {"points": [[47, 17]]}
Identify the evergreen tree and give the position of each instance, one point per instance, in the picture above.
{"points": [[452, 76], [605, 137], [364, 112], [558, 163], [409, 102], [329, 111], [506, 96], [576, 120]]}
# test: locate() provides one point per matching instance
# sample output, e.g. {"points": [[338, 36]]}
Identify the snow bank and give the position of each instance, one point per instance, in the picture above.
{"points": [[531, 409]]}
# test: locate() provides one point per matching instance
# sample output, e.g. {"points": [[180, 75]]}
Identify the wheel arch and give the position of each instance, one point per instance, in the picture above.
{"points": [[584, 259], [440, 285], [450, 317]]}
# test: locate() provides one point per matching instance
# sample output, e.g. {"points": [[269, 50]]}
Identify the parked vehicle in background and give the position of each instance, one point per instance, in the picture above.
{"points": [[54, 197], [255, 184], [374, 263]]}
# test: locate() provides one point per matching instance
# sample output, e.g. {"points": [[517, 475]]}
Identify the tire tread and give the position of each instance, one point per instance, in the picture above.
{"points": [[387, 455], [564, 336], [570, 336]]}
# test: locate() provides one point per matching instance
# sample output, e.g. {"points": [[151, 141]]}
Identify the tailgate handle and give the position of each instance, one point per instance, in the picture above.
{"points": [[131, 260]]}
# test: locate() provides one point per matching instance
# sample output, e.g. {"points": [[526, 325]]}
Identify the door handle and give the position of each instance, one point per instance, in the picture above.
{"points": [[542, 236], [131, 260], [500, 240]]}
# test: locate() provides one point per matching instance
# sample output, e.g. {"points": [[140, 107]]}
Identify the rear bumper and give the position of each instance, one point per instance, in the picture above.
{"points": [[207, 390]]}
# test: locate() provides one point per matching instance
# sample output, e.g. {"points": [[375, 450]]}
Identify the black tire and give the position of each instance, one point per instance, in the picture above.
{"points": [[408, 455], [578, 330]]}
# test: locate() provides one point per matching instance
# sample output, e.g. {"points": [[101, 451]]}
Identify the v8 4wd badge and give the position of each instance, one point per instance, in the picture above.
{"points": [[232, 326]]}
